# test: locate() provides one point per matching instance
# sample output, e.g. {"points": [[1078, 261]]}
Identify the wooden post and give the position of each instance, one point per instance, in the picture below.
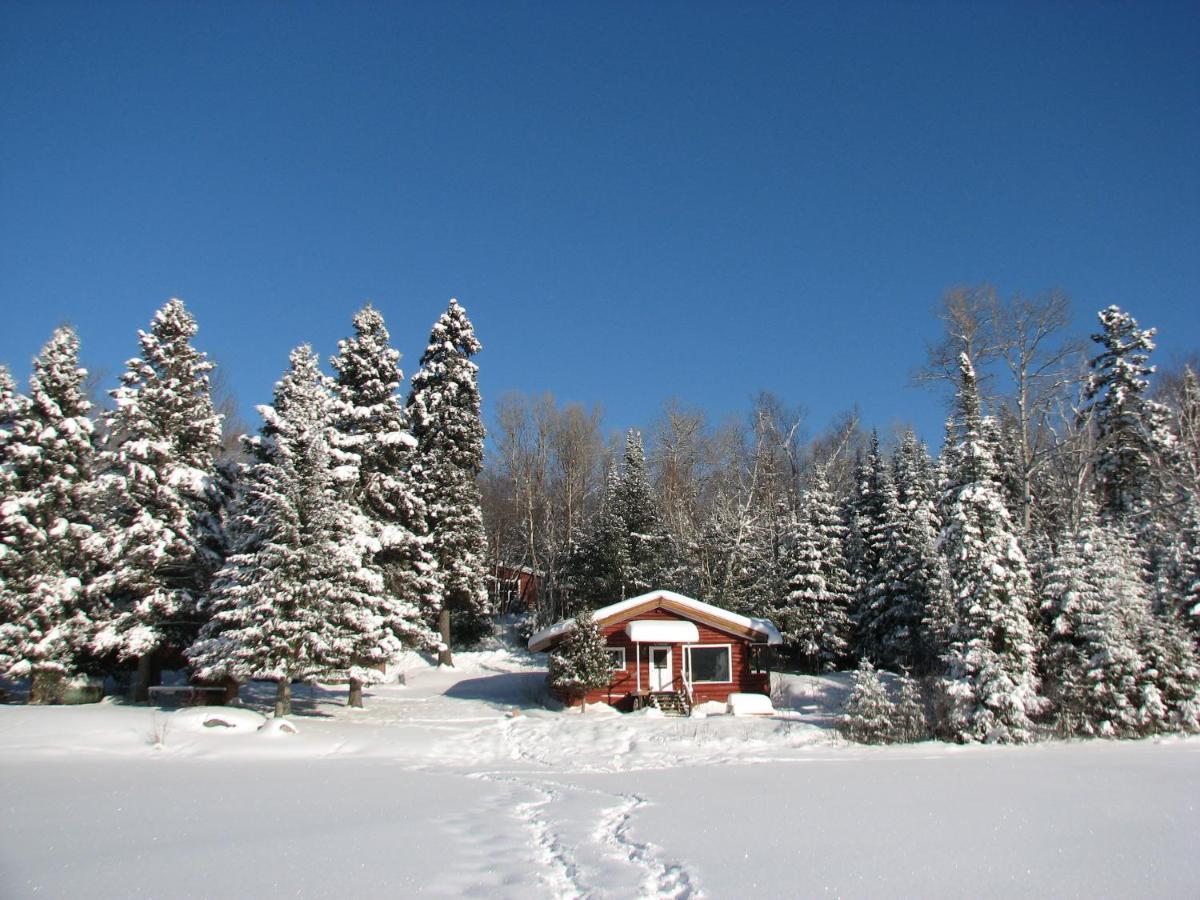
{"points": [[444, 656]]}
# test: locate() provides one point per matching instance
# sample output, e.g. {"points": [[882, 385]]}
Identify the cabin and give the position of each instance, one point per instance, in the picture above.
{"points": [[673, 652]]}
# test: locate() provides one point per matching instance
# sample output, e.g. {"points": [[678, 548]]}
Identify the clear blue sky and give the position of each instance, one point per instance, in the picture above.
{"points": [[632, 200]]}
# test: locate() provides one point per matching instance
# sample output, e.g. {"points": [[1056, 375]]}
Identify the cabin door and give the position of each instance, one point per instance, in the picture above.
{"points": [[660, 669]]}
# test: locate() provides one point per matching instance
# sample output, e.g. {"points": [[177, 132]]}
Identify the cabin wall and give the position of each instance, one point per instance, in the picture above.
{"points": [[625, 684]]}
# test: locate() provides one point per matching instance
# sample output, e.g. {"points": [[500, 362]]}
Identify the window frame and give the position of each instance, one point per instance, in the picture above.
{"points": [[624, 658], [728, 648]]}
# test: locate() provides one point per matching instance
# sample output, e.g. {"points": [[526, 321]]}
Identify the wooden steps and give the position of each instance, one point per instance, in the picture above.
{"points": [[671, 703]]}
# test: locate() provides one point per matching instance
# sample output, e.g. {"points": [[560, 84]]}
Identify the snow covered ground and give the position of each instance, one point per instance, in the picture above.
{"points": [[437, 789]]}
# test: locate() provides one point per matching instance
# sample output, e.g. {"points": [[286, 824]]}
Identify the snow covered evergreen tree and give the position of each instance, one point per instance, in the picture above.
{"points": [[814, 615], [597, 568], [649, 544], [444, 415], [296, 598], [909, 722], [869, 712], [580, 663], [991, 686], [1114, 668], [866, 520], [47, 453], [1133, 442], [376, 446], [162, 539]]}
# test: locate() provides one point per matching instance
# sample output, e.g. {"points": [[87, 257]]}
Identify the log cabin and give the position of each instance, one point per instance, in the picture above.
{"points": [[672, 652]]}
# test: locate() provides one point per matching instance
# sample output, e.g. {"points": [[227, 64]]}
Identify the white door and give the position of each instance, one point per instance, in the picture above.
{"points": [[660, 669]]}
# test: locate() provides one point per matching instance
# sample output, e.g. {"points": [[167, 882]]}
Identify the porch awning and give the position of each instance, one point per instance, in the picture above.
{"points": [[662, 632]]}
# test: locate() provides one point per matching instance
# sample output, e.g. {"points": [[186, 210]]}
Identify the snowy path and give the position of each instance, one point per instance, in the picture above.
{"points": [[435, 791]]}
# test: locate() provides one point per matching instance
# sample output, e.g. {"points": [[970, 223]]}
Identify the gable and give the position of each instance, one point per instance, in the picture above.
{"points": [[665, 605]]}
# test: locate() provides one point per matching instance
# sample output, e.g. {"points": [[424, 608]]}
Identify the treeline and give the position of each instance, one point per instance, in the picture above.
{"points": [[1042, 573], [347, 529]]}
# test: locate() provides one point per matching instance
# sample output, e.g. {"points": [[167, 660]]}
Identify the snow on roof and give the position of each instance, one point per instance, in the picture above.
{"points": [[540, 640]]}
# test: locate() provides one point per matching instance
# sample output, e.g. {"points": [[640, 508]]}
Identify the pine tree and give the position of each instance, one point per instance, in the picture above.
{"points": [[1114, 668], [597, 568], [909, 722], [869, 712], [162, 538], [296, 597], [1094, 669], [990, 687], [814, 615], [375, 445], [918, 570], [444, 415], [580, 663], [1133, 442], [649, 545], [866, 518], [48, 451], [1187, 569]]}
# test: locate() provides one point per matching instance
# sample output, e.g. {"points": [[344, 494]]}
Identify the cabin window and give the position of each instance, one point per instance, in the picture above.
{"points": [[616, 658], [760, 659], [710, 664]]}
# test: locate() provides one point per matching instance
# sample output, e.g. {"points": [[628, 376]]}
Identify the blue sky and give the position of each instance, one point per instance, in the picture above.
{"points": [[632, 200]]}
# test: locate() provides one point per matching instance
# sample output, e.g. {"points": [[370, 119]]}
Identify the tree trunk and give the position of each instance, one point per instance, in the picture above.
{"points": [[283, 697], [444, 656], [145, 668], [356, 693], [231, 690]]}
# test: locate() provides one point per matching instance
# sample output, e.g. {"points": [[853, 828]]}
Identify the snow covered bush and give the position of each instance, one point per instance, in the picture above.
{"points": [[581, 663]]}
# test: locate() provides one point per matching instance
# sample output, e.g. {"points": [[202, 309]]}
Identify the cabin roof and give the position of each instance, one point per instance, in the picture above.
{"points": [[743, 626]]}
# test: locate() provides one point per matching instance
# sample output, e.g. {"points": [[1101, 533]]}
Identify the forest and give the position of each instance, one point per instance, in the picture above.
{"points": [[1037, 575]]}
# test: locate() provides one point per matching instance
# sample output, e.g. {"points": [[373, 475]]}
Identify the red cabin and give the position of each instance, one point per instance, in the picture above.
{"points": [[671, 651]]}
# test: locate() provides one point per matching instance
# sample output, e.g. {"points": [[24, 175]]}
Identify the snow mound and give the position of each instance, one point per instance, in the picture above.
{"points": [[602, 709], [750, 705], [277, 728], [209, 719], [709, 708], [648, 712]]}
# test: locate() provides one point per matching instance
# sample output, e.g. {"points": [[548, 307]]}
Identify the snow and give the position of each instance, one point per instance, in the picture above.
{"points": [[750, 705], [541, 639], [437, 788]]}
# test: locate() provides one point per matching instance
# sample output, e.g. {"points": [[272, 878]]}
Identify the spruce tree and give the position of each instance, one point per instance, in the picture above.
{"points": [[1133, 443], [295, 599], [649, 544], [48, 452], [869, 712], [444, 415], [814, 615], [909, 722], [162, 536], [1114, 667], [990, 687], [866, 519], [597, 569], [377, 447], [580, 663]]}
